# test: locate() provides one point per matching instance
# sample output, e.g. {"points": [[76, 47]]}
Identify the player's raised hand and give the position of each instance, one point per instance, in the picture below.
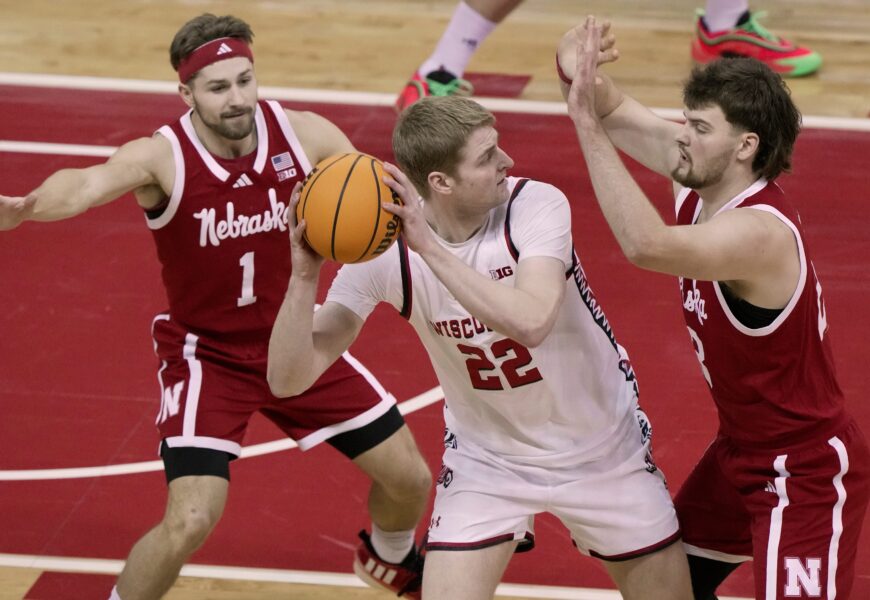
{"points": [[566, 53], [607, 50], [414, 227], [306, 262], [581, 98], [14, 210]]}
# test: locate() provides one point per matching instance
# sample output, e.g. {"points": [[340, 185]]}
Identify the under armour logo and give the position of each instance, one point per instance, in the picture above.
{"points": [[224, 49]]}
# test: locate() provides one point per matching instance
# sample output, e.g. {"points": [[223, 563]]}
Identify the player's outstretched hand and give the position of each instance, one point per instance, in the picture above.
{"points": [[306, 262], [14, 210], [415, 230], [581, 98]]}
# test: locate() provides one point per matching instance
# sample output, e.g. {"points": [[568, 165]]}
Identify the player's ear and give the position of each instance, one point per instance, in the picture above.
{"points": [[186, 94], [440, 182], [748, 146]]}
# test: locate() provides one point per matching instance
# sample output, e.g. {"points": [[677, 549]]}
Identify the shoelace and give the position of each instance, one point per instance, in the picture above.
{"points": [[456, 86], [753, 26]]}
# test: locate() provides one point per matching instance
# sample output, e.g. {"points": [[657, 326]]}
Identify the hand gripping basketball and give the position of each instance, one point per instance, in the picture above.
{"points": [[341, 204]]}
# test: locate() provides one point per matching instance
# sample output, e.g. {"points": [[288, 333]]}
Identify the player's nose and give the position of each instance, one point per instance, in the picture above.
{"points": [[506, 161]]}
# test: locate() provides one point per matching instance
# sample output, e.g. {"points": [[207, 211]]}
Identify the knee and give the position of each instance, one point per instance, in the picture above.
{"points": [[188, 528], [413, 482]]}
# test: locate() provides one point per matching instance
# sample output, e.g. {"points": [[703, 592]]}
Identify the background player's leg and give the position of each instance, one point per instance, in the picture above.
{"points": [[471, 24], [441, 73], [721, 14], [467, 574], [707, 575], [194, 507], [401, 481], [397, 498], [662, 575]]}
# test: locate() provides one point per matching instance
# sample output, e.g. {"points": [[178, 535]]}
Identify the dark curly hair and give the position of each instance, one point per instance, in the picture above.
{"points": [[753, 98]]}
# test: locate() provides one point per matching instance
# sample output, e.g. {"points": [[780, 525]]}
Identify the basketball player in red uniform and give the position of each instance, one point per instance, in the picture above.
{"points": [[787, 479], [214, 186]]}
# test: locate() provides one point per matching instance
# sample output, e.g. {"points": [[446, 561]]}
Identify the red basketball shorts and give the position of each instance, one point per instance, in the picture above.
{"points": [[210, 389], [796, 512]]}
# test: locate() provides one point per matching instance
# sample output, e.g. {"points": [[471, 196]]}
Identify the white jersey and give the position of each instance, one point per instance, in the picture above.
{"points": [[553, 405]]}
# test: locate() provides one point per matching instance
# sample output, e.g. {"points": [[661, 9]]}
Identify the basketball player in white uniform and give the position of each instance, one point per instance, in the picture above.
{"points": [[541, 402]]}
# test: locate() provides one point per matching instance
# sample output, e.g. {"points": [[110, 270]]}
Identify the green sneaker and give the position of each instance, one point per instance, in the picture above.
{"points": [[436, 83], [750, 38]]}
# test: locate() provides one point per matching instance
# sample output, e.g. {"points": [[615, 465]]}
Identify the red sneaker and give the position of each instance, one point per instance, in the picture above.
{"points": [[436, 83], [749, 38], [403, 579]]}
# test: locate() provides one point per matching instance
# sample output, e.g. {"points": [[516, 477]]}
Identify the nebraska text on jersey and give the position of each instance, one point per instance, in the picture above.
{"points": [[213, 232]]}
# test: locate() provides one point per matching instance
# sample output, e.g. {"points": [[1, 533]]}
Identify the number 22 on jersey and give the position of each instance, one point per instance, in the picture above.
{"points": [[511, 361]]}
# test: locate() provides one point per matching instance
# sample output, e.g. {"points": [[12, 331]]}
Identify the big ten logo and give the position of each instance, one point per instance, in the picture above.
{"points": [[501, 272], [803, 578], [387, 240]]}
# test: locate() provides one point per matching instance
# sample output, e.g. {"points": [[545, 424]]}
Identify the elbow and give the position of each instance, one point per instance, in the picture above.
{"points": [[635, 255], [641, 251], [534, 334], [532, 340]]}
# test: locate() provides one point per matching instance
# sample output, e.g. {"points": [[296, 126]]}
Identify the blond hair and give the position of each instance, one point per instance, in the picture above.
{"points": [[431, 133]]}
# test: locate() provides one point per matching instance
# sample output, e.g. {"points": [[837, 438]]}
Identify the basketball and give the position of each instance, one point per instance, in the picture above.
{"points": [[341, 204]]}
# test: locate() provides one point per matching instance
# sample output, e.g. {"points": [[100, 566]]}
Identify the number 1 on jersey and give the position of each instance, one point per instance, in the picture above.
{"points": [[247, 264]]}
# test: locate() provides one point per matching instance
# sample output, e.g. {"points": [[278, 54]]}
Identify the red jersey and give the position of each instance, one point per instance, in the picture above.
{"points": [[774, 385], [223, 239]]}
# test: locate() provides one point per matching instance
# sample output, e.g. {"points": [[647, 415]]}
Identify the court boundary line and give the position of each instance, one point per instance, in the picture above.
{"points": [[408, 406], [355, 98], [99, 566]]}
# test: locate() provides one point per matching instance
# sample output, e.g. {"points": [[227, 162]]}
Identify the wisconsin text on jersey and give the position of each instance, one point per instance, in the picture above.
{"points": [[465, 327], [213, 231]]}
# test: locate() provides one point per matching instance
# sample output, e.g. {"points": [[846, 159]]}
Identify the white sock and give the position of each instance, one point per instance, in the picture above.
{"points": [[465, 32], [115, 595], [392, 546], [723, 14]]}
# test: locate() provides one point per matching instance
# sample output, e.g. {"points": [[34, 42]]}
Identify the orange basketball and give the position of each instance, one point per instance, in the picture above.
{"points": [[341, 204]]}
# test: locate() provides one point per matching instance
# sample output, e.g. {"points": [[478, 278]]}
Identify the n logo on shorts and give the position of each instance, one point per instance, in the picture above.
{"points": [[803, 578], [171, 402]]}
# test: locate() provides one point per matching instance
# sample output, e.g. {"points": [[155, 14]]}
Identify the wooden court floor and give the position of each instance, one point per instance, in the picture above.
{"points": [[375, 45]]}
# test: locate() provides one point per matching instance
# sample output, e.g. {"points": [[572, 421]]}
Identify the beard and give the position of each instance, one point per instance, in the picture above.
{"points": [[236, 128], [688, 177]]}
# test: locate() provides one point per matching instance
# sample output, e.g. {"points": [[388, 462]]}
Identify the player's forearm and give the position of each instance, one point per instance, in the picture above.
{"points": [[291, 365], [634, 221], [608, 97], [64, 194], [513, 312]]}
